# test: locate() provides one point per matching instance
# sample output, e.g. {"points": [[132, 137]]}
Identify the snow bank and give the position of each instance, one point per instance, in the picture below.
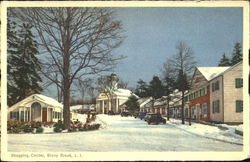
{"points": [[214, 132]]}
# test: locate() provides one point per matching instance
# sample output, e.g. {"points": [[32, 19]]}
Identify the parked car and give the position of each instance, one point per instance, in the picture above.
{"points": [[147, 116], [126, 114], [141, 115], [156, 118], [111, 113], [135, 114]]}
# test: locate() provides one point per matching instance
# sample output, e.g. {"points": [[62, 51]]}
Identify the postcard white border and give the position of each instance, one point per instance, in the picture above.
{"points": [[103, 156]]}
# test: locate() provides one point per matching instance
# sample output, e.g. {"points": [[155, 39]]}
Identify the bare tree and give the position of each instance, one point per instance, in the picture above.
{"points": [[83, 86], [77, 42], [168, 73], [184, 65], [122, 83]]}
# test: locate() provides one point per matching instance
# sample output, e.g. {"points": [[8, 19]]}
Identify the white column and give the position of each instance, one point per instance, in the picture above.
{"points": [[102, 106], [24, 115]]}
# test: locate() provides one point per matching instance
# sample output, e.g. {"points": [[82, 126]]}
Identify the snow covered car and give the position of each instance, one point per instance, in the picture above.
{"points": [[141, 115], [156, 118], [147, 116]]}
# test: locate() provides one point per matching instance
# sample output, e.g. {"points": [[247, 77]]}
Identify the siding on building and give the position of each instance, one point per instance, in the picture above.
{"points": [[231, 94], [216, 95]]}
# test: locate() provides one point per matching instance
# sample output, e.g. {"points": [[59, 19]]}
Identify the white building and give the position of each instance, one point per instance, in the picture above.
{"points": [[112, 97], [106, 102], [37, 107]]}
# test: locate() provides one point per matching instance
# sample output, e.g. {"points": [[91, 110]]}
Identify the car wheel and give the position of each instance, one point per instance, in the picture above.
{"points": [[148, 123]]}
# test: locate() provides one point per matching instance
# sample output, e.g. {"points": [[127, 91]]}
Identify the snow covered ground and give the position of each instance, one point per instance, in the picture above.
{"points": [[121, 134], [208, 131]]}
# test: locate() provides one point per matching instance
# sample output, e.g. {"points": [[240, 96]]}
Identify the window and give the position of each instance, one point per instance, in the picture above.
{"points": [[215, 86], [238, 82], [192, 108], [22, 115], [239, 105], [186, 98], [204, 110], [216, 106], [14, 115]]}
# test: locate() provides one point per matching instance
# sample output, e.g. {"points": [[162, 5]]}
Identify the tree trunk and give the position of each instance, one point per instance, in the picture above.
{"points": [[168, 113], [182, 108], [66, 105], [189, 114]]}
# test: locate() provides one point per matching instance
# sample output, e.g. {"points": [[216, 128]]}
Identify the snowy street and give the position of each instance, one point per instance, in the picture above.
{"points": [[119, 134]]}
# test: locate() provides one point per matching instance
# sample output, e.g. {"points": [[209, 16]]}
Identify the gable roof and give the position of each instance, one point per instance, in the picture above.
{"points": [[49, 100], [39, 97], [144, 100], [211, 72], [231, 67]]}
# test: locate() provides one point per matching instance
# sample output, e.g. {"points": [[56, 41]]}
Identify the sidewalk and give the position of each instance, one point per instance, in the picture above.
{"points": [[220, 132]]}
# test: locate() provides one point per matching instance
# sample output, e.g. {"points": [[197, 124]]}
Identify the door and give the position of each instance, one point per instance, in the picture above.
{"points": [[44, 117]]}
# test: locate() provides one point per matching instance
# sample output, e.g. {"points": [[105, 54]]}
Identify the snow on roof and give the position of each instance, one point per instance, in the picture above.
{"points": [[144, 99], [122, 92], [49, 100], [211, 72]]}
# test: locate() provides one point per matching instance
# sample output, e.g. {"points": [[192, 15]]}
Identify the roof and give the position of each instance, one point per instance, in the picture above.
{"points": [[211, 72], [122, 92], [144, 100], [49, 100]]}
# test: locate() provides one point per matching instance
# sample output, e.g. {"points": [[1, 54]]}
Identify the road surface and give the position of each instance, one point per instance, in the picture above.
{"points": [[119, 134]]}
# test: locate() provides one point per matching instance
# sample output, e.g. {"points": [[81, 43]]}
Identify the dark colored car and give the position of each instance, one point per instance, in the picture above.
{"points": [[111, 113], [141, 115], [126, 114], [147, 116], [135, 114], [156, 118]]}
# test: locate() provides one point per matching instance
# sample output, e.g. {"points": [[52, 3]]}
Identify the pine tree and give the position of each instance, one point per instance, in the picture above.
{"points": [[23, 65], [237, 54], [142, 89], [224, 61], [12, 46], [132, 104], [156, 88]]}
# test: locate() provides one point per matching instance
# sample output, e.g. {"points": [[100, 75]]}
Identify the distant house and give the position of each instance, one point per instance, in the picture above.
{"points": [[37, 107], [175, 104], [82, 108], [143, 101], [112, 97], [226, 95], [153, 106], [199, 93], [111, 102]]}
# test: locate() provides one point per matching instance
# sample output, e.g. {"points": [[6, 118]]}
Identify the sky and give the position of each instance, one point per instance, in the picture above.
{"points": [[152, 35]]}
